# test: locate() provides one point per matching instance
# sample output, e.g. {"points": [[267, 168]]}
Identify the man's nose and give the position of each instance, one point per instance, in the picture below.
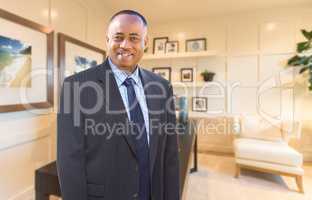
{"points": [[125, 44]]}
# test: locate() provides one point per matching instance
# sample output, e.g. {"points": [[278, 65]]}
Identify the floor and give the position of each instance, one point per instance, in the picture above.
{"points": [[215, 181]]}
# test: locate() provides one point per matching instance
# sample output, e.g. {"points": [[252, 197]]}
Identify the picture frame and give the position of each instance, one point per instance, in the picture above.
{"points": [[75, 56], [186, 74], [199, 104], [172, 47], [159, 45], [164, 72], [26, 64], [196, 45]]}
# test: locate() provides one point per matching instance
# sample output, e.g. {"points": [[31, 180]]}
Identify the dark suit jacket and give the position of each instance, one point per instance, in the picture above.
{"points": [[97, 161]]}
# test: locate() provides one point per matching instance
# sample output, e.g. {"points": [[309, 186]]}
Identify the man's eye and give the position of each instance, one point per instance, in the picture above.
{"points": [[134, 39], [118, 38]]}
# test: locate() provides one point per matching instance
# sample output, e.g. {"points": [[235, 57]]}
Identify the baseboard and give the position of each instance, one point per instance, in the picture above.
{"points": [[27, 194], [217, 153], [215, 148]]}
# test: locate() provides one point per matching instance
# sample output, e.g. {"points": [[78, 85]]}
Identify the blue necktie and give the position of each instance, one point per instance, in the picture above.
{"points": [[140, 138]]}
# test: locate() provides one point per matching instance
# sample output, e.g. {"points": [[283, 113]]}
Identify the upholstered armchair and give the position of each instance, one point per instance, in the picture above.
{"points": [[263, 146]]}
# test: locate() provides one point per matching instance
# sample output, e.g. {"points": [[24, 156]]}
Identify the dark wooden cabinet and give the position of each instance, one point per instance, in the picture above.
{"points": [[46, 182]]}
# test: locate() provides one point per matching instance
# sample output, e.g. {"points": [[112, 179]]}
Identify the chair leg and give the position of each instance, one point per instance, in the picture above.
{"points": [[299, 182], [237, 171]]}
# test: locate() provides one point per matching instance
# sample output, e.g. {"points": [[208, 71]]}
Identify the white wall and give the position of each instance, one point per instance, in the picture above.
{"points": [[251, 47], [27, 140]]}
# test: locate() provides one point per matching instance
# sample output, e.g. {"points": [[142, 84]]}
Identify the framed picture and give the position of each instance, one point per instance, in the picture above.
{"points": [[172, 47], [195, 45], [75, 56], [159, 45], [26, 64], [199, 104], [164, 72], [187, 75]]}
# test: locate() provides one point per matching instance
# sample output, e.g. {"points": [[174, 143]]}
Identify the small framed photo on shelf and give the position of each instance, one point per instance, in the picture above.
{"points": [[159, 45], [164, 72], [195, 45], [187, 75], [199, 104], [172, 47]]}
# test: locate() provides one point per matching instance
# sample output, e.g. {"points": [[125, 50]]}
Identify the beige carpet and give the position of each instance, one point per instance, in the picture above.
{"points": [[215, 181]]}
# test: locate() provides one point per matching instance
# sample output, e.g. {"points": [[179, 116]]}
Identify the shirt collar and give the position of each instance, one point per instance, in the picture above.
{"points": [[121, 75]]}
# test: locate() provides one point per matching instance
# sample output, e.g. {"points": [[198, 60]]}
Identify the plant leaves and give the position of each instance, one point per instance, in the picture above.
{"points": [[303, 70], [306, 34], [297, 60], [301, 46], [293, 60]]}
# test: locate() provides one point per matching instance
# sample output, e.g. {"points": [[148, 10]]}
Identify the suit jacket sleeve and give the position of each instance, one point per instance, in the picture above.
{"points": [[70, 148], [172, 175]]}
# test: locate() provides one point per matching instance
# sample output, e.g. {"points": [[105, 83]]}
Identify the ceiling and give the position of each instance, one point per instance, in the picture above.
{"points": [[161, 10]]}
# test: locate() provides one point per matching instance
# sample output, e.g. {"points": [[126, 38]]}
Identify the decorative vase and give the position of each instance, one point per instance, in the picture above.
{"points": [[183, 114]]}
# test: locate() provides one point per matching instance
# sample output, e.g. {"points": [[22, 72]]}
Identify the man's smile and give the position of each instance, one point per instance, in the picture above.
{"points": [[125, 55]]}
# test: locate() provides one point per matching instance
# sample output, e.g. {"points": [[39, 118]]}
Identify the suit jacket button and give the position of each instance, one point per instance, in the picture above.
{"points": [[136, 168], [135, 195]]}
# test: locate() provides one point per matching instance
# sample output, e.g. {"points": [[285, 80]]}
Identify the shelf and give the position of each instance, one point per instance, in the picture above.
{"points": [[211, 53], [187, 84], [195, 84], [206, 115], [180, 55]]}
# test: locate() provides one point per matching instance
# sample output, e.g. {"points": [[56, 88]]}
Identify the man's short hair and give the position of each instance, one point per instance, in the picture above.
{"points": [[129, 12]]}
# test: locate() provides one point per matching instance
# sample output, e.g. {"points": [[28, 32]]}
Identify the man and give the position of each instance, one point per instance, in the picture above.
{"points": [[116, 125]]}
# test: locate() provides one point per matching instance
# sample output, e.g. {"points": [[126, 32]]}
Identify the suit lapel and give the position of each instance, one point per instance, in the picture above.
{"points": [[114, 102], [114, 106], [153, 105]]}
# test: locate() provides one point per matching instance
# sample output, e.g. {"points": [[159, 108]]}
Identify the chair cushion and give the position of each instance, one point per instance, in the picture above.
{"points": [[271, 166], [267, 151], [258, 128]]}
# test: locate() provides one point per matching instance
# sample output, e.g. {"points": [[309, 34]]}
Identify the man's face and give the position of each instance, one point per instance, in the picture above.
{"points": [[126, 40]]}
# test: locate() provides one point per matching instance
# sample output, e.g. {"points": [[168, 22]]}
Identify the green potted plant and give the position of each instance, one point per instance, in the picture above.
{"points": [[207, 75], [303, 58]]}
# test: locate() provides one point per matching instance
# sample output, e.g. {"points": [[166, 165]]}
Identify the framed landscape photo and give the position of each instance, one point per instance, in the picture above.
{"points": [[195, 45], [159, 45], [172, 47], [26, 64], [75, 56], [164, 72], [187, 75], [199, 104]]}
